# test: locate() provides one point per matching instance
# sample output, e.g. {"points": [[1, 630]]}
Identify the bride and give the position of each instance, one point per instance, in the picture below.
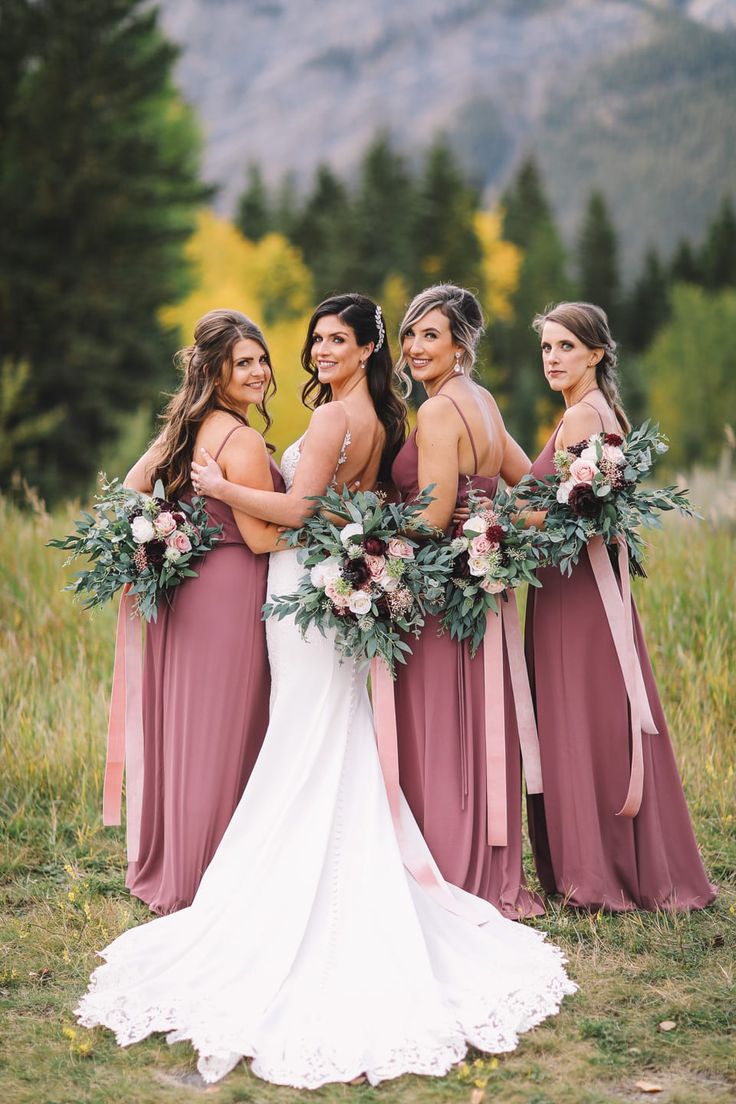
{"points": [[308, 947]]}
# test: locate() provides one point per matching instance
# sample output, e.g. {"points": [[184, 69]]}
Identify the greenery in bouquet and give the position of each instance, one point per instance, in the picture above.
{"points": [[598, 490], [492, 553], [140, 540], [371, 576]]}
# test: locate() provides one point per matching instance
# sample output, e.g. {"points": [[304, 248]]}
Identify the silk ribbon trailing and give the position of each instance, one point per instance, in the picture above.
{"points": [[414, 852], [499, 627], [125, 728], [617, 606]]}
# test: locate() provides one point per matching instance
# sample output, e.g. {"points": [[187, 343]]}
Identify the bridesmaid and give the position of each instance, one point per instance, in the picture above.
{"points": [[460, 441], [582, 849], [206, 679]]}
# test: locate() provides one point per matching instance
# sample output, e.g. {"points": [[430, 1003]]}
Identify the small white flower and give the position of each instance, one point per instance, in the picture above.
{"points": [[459, 544], [354, 551], [172, 554], [326, 571], [142, 530], [359, 602], [474, 525], [387, 581], [350, 531], [563, 491], [478, 565]]}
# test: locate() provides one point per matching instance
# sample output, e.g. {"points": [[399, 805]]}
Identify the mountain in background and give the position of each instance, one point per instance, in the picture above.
{"points": [[634, 98]]}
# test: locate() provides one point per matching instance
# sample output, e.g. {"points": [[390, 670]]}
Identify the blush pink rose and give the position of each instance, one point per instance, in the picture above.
{"points": [[165, 523], [480, 546], [376, 565], [179, 541], [338, 600], [400, 548], [492, 586], [582, 471]]}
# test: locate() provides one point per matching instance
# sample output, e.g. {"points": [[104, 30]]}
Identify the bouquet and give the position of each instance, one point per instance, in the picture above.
{"points": [[492, 552], [367, 580], [597, 491], [140, 540]]}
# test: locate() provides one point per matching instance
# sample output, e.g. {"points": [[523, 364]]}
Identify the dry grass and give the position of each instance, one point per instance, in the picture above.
{"points": [[61, 875]]}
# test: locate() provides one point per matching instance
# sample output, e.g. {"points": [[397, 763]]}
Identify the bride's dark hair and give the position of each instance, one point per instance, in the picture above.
{"points": [[361, 314]]}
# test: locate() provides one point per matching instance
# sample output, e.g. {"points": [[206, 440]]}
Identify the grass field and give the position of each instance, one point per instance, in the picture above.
{"points": [[61, 874]]}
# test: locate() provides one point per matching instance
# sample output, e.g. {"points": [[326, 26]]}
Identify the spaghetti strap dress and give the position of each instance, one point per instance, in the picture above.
{"points": [[582, 849], [440, 701], [206, 688]]}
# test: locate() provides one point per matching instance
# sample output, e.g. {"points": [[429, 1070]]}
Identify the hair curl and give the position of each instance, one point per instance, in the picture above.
{"points": [[463, 312], [589, 323], [359, 313], [206, 367]]}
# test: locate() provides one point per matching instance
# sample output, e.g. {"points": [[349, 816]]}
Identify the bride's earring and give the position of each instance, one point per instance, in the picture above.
{"points": [[458, 365]]}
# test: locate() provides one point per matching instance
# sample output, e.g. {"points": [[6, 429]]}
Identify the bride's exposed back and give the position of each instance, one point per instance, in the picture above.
{"points": [[308, 946]]}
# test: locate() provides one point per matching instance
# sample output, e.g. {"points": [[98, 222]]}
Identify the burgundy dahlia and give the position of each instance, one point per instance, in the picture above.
{"points": [[374, 546], [461, 567], [355, 571], [155, 550], [495, 534], [613, 439], [583, 501]]}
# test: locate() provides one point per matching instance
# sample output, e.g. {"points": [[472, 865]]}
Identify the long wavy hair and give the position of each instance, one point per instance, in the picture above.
{"points": [[589, 323], [206, 367], [461, 309], [361, 314]]}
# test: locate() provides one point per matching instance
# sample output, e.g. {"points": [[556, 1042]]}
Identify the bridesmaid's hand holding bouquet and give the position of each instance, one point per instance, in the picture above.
{"points": [[367, 579], [598, 491], [492, 552], [137, 540]]}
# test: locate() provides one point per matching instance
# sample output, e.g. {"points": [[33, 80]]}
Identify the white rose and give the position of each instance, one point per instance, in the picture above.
{"points": [[317, 576], [387, 582], [614, 454], [475, 525], [478, 565], [563, 491], [359, 602], [331, 568], [350, 531], [142, 530]]}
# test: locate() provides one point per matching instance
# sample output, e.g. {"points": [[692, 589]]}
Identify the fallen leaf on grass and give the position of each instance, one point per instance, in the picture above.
{"points": [[666, 1025], [648, 1086]]}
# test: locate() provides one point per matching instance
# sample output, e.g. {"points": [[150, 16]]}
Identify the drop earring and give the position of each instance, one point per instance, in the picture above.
{"points": [[458, 366]]}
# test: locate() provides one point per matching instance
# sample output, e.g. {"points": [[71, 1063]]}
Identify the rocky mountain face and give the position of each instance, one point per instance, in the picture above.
{"points": [[634, 97]]}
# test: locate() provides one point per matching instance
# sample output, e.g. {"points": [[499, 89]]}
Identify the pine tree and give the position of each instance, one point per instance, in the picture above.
{"points": [[528, 223], [98, 187], [253, 217], [685, 268], [719, 252], [448, 249], [324, 231], [383, 217], [598, 275], [649, 303]]}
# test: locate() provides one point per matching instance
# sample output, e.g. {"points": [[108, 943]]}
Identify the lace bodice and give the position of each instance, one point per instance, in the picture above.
{"points": [[292, 455]]}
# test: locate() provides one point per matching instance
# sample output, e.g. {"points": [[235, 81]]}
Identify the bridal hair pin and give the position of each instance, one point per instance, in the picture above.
{"points": [[381, 331]]}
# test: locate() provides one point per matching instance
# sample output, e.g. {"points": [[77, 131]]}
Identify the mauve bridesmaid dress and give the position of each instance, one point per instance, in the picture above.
{"points": [[582, 850], [440, 699], [206, 688]]}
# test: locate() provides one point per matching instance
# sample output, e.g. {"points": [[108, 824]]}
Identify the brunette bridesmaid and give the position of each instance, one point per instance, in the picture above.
{"points": [[206, 679], [583, 850], [460, 442]]}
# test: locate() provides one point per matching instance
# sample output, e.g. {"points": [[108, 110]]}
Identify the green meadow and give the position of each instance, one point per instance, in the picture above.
{"points": [[61, 873]]}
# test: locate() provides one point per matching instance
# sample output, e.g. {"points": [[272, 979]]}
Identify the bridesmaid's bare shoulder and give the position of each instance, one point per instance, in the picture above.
{"points": [[578, 422]]}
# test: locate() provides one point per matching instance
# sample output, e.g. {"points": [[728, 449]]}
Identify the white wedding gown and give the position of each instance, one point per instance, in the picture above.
{"points": [[308, 947]]}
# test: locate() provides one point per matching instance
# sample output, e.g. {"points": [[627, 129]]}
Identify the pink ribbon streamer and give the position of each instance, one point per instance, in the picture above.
{"points": [[499, 627], [617, 606], [125, 728], [414, 853]]}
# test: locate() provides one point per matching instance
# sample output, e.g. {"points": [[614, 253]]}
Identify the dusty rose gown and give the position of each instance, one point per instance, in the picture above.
{"points": [[582, 849], [441, 734], [206, 687]]}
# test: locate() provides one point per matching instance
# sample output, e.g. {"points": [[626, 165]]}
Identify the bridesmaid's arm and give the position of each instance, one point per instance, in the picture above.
{"points": [[320, 451], [139, 476], [437, 442], [515, 463], [245, 464]]}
